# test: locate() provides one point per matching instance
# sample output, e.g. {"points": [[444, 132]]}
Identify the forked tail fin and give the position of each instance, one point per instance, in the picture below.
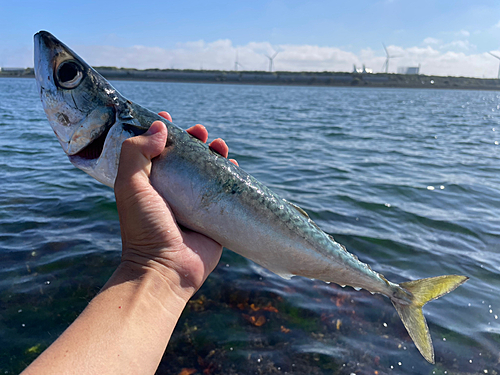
{"points": [[423, 291]]}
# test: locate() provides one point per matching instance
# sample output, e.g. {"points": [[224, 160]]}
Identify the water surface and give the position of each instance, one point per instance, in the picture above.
{"points": [[408, 180]]}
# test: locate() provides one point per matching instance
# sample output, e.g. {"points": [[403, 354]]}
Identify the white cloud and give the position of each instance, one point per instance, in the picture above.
{"points": [[431, 41], [221, 54], [433, 56], [464, 33], [497, 25], [459, 44]]}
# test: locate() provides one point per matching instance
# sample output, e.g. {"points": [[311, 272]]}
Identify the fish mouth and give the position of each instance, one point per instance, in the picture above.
{"points": [[93, 150]]}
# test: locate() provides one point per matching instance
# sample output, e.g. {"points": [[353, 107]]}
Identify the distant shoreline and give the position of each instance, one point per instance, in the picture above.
{"points": [[325, 79]]}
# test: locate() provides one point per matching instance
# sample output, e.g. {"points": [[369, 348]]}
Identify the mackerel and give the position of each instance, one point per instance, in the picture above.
{"points": [[207, 193]]}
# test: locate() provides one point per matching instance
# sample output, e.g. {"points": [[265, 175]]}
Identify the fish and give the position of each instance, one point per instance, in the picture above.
{"points": [[206, 192]]}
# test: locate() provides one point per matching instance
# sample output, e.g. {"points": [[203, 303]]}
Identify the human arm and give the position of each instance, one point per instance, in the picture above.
{"points": [[126, 327]]}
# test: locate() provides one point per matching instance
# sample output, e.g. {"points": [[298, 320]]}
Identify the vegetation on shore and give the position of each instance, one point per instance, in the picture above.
{"points": [[287, 78]]}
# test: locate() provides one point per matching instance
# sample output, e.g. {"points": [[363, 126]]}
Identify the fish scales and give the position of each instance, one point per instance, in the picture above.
{"points": [[219, 180]]}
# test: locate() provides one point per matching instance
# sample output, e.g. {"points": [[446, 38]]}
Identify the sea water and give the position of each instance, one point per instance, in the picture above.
{"points": [[407, 179]]}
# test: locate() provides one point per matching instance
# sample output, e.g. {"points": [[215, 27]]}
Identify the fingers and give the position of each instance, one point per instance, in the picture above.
{"points": [[136, 155], [219, 146], [200, 132], [165, 115]]}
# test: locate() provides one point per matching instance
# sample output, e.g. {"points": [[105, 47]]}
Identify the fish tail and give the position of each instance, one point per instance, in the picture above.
{"points": [[410, 309]]}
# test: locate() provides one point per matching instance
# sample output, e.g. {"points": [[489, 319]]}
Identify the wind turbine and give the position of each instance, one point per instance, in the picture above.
{"points": [[271, 60], [236, 63], [386, 64], [498, 57]]}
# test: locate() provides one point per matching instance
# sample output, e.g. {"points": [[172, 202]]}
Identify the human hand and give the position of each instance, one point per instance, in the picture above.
{"points": [[126, 327], [151, 238]]}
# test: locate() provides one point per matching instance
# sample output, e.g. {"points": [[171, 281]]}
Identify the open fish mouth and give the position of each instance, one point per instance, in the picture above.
{"points": [[93, 150], [101, 155]]}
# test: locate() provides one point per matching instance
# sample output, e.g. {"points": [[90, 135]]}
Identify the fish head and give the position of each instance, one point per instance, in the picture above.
{"points": [[83, 109]]}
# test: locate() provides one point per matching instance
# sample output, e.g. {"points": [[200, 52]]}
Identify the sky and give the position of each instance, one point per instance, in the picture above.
{"points": [[442, 37]]}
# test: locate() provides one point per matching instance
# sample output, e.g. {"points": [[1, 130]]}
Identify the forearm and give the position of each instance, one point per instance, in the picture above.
{"points": [[126, 327], [124, 330]]}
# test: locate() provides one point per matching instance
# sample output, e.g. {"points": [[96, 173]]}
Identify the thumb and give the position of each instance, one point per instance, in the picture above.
{"points": [[136, 155]]}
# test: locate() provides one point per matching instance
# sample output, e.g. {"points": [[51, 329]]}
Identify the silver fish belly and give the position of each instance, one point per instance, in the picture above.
{"points": [[216, 198]]}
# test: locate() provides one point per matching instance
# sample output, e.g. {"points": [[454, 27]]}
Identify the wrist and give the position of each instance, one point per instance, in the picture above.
{"points": [[162, 282]]}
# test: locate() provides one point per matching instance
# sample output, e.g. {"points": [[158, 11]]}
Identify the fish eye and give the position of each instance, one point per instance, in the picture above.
{"points": [[69, 74]]}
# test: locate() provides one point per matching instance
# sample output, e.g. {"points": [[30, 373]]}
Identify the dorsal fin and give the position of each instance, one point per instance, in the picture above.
{"points": [[297, 208]]}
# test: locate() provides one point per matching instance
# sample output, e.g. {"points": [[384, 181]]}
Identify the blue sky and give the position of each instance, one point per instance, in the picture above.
{"points": [[444, 37]]}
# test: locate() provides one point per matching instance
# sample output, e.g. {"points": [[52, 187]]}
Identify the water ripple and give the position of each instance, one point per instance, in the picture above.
{"points": [[408, 180]]}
